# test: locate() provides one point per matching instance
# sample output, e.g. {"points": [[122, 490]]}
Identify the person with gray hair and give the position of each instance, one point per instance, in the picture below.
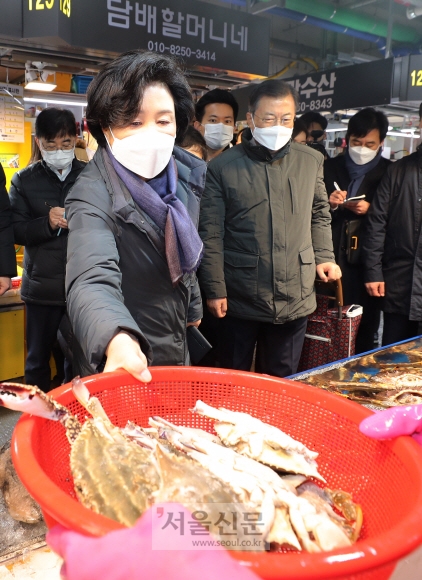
{"points": [[265, 223]]}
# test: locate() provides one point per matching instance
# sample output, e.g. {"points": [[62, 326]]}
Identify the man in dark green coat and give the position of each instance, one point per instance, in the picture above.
{"points": [[265, 224]]}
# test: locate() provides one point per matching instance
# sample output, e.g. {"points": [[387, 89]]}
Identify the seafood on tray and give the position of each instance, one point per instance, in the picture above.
{"points": [[173, 463], [389, 388]]}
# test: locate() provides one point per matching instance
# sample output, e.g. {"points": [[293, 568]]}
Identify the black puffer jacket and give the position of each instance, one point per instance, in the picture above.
{"points": [[7, 249], [117, 274], [393, 243], [45, 251]]}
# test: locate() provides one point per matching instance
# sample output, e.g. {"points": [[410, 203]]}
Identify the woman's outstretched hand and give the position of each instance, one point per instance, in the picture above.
{"points": [[123, 352]]}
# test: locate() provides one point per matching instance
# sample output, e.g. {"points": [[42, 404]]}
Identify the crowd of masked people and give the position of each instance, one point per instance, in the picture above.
{"points": [[179, 221]]}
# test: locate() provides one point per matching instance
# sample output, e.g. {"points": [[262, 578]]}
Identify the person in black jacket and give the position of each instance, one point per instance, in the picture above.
{"points": [[357, 173], [7, 250], [393, 248], [37, 197], [133, 245]]}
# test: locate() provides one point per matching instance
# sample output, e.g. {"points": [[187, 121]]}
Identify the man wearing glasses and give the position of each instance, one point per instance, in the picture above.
{"points": [[37, 197], [265, 223]]}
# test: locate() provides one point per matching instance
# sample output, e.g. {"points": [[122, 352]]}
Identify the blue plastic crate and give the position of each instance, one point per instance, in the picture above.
{"points": [[80, 84]]}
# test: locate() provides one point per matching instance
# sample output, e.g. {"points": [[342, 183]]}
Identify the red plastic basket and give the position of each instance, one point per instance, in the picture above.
{"points": [[384, 477]]}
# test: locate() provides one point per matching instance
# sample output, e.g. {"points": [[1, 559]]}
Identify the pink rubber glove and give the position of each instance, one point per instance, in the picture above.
{"points": [[394, 422], [128, 555]]}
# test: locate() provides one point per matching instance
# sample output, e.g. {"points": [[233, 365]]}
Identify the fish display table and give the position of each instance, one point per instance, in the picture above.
{"points": [[382, 378], [36, 564]]}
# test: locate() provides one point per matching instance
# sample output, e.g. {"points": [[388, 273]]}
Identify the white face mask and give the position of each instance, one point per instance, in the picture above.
{"points": [[58, 159], [218, 135], [273, 138], [146, 152], [362, 155]]}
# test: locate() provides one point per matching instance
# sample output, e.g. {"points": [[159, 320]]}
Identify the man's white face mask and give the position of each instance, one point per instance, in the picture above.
{"points": [[58, 159], [218, 135], [273, 138], [362, 155]]}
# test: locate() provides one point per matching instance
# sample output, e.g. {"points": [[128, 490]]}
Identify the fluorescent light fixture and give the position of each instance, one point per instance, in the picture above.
{"points": [[335, 130], [413, 12], [54, 101], [403, 134], [40, 86]]}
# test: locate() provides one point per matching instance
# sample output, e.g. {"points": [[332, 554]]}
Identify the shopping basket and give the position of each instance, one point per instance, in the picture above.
{"points": [[331, 331], [384, 477]]}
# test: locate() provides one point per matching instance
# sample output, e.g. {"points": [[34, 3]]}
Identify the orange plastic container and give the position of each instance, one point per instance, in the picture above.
{"points": [[384, 477]]}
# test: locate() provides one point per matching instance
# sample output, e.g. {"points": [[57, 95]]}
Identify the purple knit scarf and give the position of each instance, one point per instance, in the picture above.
{"points": [[157, 198]]}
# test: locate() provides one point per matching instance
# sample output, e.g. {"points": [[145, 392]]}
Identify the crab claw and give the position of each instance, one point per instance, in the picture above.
{"points": [[91, 404], [30, 399]]}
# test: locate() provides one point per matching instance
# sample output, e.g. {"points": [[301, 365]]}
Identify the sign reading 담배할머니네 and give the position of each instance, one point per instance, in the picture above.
{"points": [[198, 33]]}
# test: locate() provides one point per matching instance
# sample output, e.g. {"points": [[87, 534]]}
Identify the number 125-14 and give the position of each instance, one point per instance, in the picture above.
{"points": [[48, 4], [416, 76]]}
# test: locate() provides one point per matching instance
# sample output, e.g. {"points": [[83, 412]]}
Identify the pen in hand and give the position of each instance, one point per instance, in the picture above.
{"points": [[336, 185], [64, 216]]}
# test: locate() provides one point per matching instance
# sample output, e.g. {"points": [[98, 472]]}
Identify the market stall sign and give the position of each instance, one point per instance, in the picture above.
{"points": [[49, 18], [11, 114], [198, 33], [411, 78], [362, 85]]}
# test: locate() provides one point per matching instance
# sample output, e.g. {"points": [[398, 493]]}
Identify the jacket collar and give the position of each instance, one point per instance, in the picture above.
{"points": [[191, 170], [77, 166], [259, 152]]}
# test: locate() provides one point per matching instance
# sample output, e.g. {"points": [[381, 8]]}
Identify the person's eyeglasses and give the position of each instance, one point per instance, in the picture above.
{"points": [[64, 147], [272, 121]]}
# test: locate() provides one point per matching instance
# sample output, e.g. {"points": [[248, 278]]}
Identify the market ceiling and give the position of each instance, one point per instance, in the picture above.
{"points": [[304, 35]]}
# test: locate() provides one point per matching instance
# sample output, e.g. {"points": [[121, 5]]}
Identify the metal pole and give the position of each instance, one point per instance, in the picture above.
{"points": [[388, 52]]}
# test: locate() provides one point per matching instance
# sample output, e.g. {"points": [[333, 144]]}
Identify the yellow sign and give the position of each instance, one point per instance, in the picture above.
{"points": [[49, 4], [416, 76]]}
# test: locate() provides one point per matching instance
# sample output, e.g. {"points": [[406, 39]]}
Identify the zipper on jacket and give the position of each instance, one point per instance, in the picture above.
{"points": [[292, 195]]}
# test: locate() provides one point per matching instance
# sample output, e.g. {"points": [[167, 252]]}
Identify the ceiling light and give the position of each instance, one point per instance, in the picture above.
{"points": [[413, 12], [36, 78], [342, 130], [54, 101], [40, 86]]}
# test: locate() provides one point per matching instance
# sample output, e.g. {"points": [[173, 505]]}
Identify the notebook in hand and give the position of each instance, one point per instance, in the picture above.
{"points": [[198, 345]]}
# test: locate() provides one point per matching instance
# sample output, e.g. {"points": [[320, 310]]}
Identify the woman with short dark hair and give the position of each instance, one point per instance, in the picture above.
{"points": [[133, 244]]}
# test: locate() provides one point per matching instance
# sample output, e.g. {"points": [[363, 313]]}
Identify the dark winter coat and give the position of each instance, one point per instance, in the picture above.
{"points": [[45, 250], [117, 273], [7, 248], [335, 170], [265, 223], [393, 244]]}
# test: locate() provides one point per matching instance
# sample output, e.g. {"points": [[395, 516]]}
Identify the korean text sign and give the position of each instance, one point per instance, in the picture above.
{"points": [[362, 85], [199, 33]]}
